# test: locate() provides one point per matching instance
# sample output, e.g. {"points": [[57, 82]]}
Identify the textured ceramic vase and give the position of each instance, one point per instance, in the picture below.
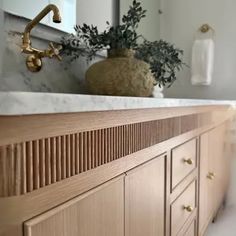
{"points": [[120, 75]]}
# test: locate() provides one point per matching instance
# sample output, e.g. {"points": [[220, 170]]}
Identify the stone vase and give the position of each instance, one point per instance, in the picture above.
{"points": [[120, 75]]}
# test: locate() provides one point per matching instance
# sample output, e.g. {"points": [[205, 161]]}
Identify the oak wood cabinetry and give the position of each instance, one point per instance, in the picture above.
{"points": [[191, 231], [182, 208], [214, 175], [145, 199], [152, 172], [98, 212], [183, 161]]}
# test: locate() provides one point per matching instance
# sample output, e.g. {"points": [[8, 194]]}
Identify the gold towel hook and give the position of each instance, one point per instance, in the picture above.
{"points": [[206, 28]]}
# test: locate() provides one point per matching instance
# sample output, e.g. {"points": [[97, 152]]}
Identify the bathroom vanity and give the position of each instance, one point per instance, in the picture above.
{"points": [[79, 165]]}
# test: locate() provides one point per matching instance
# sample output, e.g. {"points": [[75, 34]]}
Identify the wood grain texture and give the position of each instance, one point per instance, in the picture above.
{"points": [[17, 129], [179, 215], [180, 167], [213, 160], [19, 209], [191, 231], [98, 212], [48, 160], [145, 199]]}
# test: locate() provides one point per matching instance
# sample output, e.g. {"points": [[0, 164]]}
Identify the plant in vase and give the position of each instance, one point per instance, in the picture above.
{"points": [[165, 61], [130, 69]]}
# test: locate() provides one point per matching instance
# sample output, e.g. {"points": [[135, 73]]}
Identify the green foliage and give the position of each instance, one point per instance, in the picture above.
{"points": [[164, 59], [87, 41]]}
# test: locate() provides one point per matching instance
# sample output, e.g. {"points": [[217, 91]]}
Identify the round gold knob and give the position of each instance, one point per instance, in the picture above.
{"points": [[188, 208], [188, 161], [211, 175]]}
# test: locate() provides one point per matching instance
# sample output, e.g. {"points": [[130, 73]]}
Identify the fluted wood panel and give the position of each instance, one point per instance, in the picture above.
{"points": [[31, 165]]}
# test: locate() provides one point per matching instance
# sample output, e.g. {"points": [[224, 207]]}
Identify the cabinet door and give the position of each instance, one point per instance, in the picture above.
{"points": [[145, 199], [206, 185], [191, 231], [214, 174], [220, 163], [99, 212]]}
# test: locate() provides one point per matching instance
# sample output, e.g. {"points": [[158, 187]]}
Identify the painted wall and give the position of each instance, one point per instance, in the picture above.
{"points": [[149, 27], [97, 12], [179, 23]]}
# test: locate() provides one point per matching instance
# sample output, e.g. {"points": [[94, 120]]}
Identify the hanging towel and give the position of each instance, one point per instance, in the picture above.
{"points": [[202, 61]]}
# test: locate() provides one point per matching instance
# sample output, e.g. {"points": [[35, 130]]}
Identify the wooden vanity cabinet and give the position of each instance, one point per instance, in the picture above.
{"points": [[138, 199], [213, 175], [99, 212], [144, 172], [145, 199], [191, 231]]}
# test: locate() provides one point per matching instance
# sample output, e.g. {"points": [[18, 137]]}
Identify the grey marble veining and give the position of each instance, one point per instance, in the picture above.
{"points": [[55, 76], [25, 103]]}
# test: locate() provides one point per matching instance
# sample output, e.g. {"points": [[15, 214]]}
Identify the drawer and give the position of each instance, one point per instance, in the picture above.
{"points": [[191, 231], [183, 208], [183, 161]]}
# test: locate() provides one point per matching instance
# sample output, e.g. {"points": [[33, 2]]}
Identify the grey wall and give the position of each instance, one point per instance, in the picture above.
{"points": [[180, 21], [97, 12], [1, 38], [149, 27]]}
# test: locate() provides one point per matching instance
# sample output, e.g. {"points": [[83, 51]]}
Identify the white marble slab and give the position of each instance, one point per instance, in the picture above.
{"points": [[26, 103]]}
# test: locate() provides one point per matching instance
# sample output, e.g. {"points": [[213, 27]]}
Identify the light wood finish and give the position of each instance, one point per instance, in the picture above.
{"points": [[98, 212], [191, 230], [183, 161], [52, 159], [206, 185], [145, 199], [183, 208], [214, 175], [65, 156], [24, 207], [17, 129], [221, 162], [70, 154], [188, 224]]}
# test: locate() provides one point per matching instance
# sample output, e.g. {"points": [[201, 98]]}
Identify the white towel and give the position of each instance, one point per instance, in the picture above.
{"points": [[202, 61]]}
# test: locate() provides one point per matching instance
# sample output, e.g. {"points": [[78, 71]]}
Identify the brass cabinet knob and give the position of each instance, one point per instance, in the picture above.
{"points": [[188, 208], [188, 161], [211, 175]]}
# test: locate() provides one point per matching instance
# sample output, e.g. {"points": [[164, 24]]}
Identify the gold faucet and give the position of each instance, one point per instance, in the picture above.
{"points": [[34, 60]]}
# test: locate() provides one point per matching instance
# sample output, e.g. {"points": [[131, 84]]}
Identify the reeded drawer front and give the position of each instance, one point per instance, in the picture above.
{"points": [[183, 161], [182, 208]]}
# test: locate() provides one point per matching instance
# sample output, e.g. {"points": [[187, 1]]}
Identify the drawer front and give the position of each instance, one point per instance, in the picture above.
{"points": [[183, 161], [191, 231], [182, 208]]}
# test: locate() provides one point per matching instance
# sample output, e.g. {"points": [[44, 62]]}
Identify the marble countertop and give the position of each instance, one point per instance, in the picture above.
{"points": [[27, 103]]}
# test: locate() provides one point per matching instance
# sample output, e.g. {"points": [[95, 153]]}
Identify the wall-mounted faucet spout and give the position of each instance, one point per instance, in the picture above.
{"points": [[34, 61]]}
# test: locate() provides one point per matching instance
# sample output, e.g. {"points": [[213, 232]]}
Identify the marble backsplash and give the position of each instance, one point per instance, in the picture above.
{"points": [[55, 76]]}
